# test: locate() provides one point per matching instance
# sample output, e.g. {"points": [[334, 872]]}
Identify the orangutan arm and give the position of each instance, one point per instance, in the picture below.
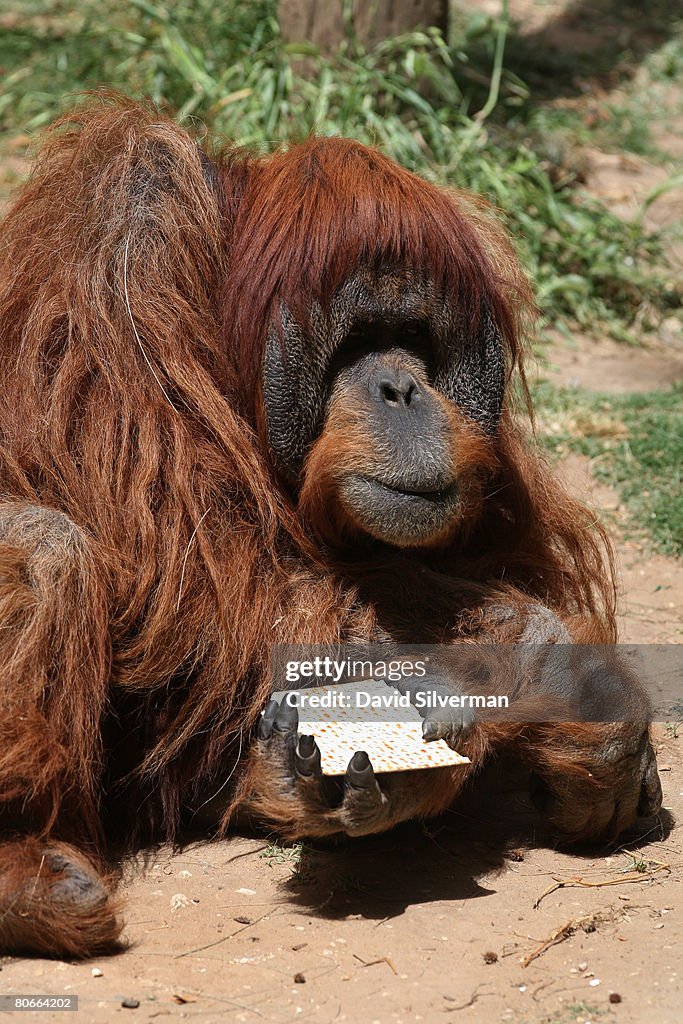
{"points": [[589, 780], [54, 663]]}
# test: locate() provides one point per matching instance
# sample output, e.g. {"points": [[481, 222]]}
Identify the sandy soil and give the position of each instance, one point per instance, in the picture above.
{"points": [[406, 927], [437, 922]]}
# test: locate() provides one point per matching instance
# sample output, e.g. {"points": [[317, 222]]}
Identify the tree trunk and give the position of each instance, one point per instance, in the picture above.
{"points": [[322, 23]]}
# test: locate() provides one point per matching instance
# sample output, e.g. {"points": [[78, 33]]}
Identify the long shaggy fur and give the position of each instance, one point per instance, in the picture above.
{"points": [[155, 557]]}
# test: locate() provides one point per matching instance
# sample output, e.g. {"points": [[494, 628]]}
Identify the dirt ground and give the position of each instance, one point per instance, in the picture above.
{"points": [[435, 922]]}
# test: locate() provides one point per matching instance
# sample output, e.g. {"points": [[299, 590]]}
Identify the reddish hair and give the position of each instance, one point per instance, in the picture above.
{"points": [[311, 215], [135, 296]]}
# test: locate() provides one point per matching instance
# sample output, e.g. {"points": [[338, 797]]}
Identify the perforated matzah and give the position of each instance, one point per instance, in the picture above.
{"points": [[392, 746]]}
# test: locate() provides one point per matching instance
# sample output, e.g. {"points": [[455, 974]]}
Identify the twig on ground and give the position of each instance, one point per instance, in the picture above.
{"points": [[223, 938], [632, 876], [470, 1002], [373, 963], [587, 922]]}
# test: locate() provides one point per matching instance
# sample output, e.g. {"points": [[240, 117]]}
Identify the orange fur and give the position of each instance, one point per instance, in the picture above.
{"points": [[149, 556]]}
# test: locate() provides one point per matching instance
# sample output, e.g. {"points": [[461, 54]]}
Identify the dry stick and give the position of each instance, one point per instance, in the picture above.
{"points": [[470, 1002], [562, 933], [223, 938], [373, 963], [35, 884], [25, 913], [632, 876]]}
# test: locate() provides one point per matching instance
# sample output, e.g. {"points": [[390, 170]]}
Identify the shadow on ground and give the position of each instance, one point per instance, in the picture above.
{"points": [[454, 858]]}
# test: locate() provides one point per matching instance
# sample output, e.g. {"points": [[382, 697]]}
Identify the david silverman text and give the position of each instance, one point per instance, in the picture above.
{"points": [[333, 698]]}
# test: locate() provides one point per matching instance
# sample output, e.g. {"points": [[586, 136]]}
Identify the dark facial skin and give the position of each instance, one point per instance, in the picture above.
{"points": [[406, 493], [381, 410]]}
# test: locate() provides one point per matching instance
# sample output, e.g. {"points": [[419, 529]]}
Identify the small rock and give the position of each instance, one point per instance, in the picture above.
{"points": [[130, 1004], [490, 957], [245, 892], [614, 997], [594, 982], [242, 919], [96, 972], [582, 967], [299, 978]]}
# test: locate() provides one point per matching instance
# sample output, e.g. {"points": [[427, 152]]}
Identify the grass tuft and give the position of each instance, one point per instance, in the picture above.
{"points": [[636, 442]]}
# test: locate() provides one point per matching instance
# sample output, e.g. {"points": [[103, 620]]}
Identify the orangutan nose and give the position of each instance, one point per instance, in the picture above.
{"points": [[394, 388]]}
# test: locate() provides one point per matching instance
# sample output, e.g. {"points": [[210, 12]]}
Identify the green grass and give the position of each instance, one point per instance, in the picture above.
{"points": [[277, 853], [298, 857], [455, 113], [636, 441], [574, 1013], [674, 728]]}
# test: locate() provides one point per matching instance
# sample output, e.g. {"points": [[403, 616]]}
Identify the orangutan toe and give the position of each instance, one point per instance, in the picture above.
{"points": [[650, 796], [75, 883]]}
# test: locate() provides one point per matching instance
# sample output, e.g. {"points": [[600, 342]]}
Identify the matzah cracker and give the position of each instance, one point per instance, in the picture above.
{"points": [[392, 746]]}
